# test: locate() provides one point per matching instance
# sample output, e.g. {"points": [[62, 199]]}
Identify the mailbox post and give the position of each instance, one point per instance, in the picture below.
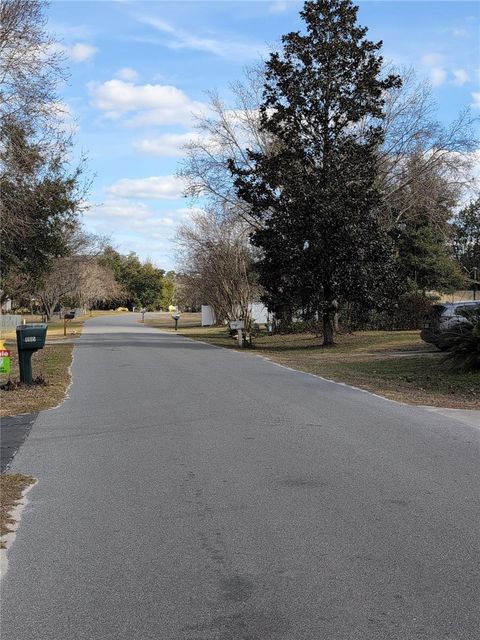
{"points": [[176, 317], [30, 338], [239, 326], [69, 315]]}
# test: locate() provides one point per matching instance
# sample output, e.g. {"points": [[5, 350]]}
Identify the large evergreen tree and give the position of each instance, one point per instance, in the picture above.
{"points": [[314, 192], [423, 211], [40, 200]]}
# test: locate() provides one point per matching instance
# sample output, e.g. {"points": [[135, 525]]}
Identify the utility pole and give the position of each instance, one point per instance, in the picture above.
{"points": [[475, 282]]}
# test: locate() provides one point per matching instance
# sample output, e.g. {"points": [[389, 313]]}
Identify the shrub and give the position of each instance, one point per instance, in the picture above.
{"points": [[405, 312], [412, 308]]}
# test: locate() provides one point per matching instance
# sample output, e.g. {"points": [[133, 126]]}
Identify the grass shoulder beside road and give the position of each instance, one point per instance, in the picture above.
{"points": [[12, 487], [52, 365], [395, 364]]}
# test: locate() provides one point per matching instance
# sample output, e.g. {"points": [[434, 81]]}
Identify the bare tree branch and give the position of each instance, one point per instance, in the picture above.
{"points": [[215, 265]]}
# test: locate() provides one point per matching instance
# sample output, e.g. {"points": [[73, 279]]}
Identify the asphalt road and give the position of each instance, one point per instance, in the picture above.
{"points": [[13, 432], [187, 492]]}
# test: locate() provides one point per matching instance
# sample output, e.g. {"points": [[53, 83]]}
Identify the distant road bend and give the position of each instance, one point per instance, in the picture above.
{"points": [[187, 492]]}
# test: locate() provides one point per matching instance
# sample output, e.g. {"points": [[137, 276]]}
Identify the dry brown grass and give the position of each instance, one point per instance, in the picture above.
{"points": [[12, 486], [52, 364], [163, 320]]}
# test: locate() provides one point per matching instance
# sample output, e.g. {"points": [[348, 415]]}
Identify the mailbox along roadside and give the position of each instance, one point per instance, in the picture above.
{"points": [[30, 338]]}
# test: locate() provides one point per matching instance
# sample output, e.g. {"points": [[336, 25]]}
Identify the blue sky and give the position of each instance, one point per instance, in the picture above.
{"points": [[139, 69]]}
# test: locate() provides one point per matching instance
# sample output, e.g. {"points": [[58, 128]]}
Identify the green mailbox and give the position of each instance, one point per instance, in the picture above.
{"points": [[30, 338]]}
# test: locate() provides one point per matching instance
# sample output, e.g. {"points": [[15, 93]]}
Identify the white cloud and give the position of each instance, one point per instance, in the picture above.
{"points": [[115, 208], [476, 99], [432, 59], [155, 188], [167, 145], [460, 33], [135, 226], [130, 214], [117, 95], [434, 65], [153, 103], [79, 52], [278, 7], [438, 75], [461, 76], [154, 226], [82, 52], [219, 46], [127, 73]]}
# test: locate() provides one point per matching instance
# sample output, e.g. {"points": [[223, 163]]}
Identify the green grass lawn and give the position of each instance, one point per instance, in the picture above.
{"points": [[394, 364]]}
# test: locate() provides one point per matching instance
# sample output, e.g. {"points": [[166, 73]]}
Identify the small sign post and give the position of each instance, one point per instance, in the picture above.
{"points": [[239, 325], [5, 361]]}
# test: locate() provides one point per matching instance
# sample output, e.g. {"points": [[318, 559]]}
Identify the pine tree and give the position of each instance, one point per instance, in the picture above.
{"points": [[314, 191]]}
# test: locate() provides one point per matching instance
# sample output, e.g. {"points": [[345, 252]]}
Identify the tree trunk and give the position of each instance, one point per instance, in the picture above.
{"points": [[335, 319], [329, 323], [48, 308], [284, 319], [328, 330]]}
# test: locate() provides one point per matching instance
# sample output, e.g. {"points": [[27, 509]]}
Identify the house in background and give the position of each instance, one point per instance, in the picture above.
{"points": [[258, 310]]}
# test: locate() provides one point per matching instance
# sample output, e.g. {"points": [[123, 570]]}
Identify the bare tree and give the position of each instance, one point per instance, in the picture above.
{"points": [[225, 133], [79, 278], [418, 150], [77, 281], [62, 281], [215, 265], [31, 63]]}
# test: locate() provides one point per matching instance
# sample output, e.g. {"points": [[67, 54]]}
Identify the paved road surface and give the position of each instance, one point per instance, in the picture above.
{"points": [[191, 493], [13, 432]]}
